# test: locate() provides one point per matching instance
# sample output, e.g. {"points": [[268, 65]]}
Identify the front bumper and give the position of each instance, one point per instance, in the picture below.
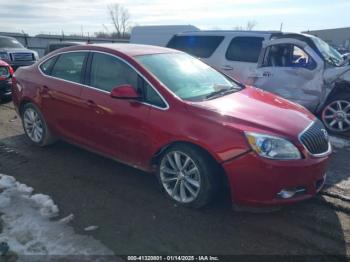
{"points": [[5, 87], [255, 181]]}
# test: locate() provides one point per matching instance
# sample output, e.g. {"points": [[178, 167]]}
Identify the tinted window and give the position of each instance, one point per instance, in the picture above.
{"points": [[244, 49], [47, 65], [69, 66], [108, 72], [199, 46], [152, 97]]}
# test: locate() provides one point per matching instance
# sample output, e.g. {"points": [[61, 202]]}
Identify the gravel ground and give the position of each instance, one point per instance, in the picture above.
{"points": [[133, 217]]}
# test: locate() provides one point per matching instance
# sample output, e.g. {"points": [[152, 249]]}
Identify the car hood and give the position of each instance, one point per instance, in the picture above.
{"points": [[10, 50], [253, 109]]}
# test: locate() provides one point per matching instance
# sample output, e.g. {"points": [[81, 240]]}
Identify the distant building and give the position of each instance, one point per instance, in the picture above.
{"points": [[338, 37]]}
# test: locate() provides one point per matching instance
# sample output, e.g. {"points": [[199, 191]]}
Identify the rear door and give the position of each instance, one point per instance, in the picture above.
{"points": [[290, 68], [61, 88], [240, 59]]}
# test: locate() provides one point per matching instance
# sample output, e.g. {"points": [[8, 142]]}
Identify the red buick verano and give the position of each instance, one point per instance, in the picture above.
{"points": [[162, 110]]}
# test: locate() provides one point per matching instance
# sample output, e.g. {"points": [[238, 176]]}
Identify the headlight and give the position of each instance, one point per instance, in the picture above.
{"points": [[272, 147], [4, 56]]}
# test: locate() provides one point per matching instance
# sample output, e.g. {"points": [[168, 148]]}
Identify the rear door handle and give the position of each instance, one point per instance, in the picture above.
{"points": [[267, 74], [227, 67], [91, 103]]}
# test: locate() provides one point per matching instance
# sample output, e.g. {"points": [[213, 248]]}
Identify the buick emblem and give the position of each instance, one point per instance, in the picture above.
{"points": [[325, 133]]}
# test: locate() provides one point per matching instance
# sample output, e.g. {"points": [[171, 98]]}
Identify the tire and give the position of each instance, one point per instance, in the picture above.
{"points": [[5, 99], [35, 126], [336, 114], [196, 181]]}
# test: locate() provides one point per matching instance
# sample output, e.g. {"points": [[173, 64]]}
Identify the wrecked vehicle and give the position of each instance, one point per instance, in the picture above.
{"points": [[306, 70], [299, 67]]}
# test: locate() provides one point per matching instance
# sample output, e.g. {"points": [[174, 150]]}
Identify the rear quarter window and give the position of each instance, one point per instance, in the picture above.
{"points": [[199, 46], [244, 49]]}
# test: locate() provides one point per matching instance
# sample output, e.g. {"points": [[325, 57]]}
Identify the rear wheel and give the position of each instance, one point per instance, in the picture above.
{"points": [[188, 175], [35, 126], [336, 114]]}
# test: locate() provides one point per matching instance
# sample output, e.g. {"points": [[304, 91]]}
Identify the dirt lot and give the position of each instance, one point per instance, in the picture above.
{"points": [[135, 218]]}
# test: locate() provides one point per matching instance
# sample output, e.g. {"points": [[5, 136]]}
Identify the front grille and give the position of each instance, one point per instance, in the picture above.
{"points": [[315, 138], [22, 56]]}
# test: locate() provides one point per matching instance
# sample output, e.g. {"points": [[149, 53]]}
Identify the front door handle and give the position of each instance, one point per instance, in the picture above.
{"points": [[227, 67]]}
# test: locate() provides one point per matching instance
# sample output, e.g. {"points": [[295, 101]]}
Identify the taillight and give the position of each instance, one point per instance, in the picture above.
{"points": [[5, 72]]}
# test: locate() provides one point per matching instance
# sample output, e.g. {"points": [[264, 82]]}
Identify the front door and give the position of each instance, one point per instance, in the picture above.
{"points": [[291, 69], [116, 127]]}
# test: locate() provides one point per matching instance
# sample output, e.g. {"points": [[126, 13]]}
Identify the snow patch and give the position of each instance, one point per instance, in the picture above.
{"points": [[338, 142], [28, 229]]}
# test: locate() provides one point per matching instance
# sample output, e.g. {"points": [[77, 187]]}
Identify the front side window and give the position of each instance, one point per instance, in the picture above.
{"points": [[188, 77], [69, 66], [288, 55], [199, 46], [244, 49], [108, 72], [152, 97]]}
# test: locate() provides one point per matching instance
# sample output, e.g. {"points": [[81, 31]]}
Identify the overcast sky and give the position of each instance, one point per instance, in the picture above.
{"points": [[73, 16]]}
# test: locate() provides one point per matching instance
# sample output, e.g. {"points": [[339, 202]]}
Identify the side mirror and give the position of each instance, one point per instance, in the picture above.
{"points": [[124, 92]]}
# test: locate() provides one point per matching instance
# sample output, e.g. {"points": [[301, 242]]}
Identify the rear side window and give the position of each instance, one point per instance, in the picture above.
{"points": [[108, 72], [244, 49], [69, 66], [47, 65], [199, 46]]}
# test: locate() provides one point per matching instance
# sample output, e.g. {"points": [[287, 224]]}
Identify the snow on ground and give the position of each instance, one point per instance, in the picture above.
{"points": [[338, 142], [28, 227]]}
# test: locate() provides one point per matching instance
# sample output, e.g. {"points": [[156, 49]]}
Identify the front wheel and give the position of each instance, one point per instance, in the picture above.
{"points": [[188, 175], [336, 114]]}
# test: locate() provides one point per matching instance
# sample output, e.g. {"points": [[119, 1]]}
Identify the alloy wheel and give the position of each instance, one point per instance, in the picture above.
{"points": [[336, 116], [33, 125], [180, 176]]}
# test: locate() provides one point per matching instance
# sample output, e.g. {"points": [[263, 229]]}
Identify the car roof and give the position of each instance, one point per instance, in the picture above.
{"points": [[125, 48], [227, 32], [135, 49], [8, 37]]}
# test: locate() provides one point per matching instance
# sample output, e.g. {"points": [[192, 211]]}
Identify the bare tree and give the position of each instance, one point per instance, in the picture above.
{"points": [[249, 26], [120, 18]]}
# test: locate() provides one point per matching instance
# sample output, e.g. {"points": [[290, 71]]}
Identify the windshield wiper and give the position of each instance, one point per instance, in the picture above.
{"points": [[221, 92]]}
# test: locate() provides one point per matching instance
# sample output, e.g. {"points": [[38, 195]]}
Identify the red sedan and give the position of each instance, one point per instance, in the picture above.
{"points": [[162, 110]]}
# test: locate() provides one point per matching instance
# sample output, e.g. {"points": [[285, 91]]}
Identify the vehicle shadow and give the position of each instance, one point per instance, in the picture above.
{"points": [[338, 174], [134, 217]]}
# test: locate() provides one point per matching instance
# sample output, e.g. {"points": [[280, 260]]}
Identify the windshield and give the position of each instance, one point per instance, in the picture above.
{"points": [[188, 77], [331, 55], [9, 43]]}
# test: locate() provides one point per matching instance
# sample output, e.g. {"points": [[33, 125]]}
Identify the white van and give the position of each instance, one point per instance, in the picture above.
{"points": [[301, 68]]}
